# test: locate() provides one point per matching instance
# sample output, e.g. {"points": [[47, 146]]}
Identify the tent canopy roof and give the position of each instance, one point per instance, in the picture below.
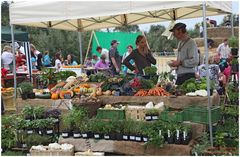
{"points": [[90, 15], [18, 35]]}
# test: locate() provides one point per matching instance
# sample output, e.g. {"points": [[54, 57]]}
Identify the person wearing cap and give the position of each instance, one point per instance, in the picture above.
{"points": [[141, 56], [187, 57], [115, 58], [7, 58], [102, 51]]}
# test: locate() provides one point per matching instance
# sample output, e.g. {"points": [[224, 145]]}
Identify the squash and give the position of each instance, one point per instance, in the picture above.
{"points": [[108, 92], [54, 96], [99, 93], [94, 94], [62, 93], [76, 90]]}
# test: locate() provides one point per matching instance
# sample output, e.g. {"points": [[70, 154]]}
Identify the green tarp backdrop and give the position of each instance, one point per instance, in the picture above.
{"points": [[105, 38], [18, 35]]}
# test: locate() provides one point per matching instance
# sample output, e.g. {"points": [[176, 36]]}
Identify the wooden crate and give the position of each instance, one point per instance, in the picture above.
{"points": [[50, 152], [135, 112]]}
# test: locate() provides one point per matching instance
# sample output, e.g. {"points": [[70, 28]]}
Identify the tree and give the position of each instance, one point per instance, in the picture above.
{"points": [[5, 13], [227, 18], [127, 28], [159, 43]]}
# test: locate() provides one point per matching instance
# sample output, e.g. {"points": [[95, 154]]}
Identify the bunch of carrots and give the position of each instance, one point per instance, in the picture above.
{"points": [[157, 91]]}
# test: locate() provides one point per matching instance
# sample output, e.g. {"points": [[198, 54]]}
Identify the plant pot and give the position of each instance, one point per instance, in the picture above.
{"points": [[31, 95], [112, 136], [125, 137], [76, 134], [145, 139], [97, 136], [155, 117], [29, 131], [186, 138], [106, 137], [24, 96], [66, 134], [178, 137], [49, 131], [234, 51], [24, 145], [132, 137], [87, 135], [118, 137], [138, 138], [41, 131], [148, 117]]}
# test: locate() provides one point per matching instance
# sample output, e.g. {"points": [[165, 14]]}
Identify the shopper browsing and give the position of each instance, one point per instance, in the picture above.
{"points": [[115, 58]]}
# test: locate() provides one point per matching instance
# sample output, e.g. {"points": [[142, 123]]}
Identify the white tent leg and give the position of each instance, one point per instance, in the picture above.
{"points": [[206, 60], [14, 65], [232, 25], [80, 47]]}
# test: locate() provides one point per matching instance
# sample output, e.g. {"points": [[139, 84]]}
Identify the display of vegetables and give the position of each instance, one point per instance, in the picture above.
{"points": [[150, 71], [157, 91], [99, 77]]}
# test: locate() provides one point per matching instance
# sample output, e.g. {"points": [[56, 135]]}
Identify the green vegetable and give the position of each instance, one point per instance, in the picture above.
{"points": [[150, 71], [146, 84]]}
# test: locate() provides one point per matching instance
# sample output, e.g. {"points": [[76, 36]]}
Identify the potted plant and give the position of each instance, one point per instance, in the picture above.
{"points": [[41, 125], [152, 114], [138, 133], [28, 112], [29, 127], [96, 128], [178, 135], [235, 65], [85, 129], [67, 123], [38, 112], [186, 135], [107, 129], [170, 132], [118, 129], [26, 88], [127, 125], [49, 126], [53, 113], [79, 115], [234, 43]]}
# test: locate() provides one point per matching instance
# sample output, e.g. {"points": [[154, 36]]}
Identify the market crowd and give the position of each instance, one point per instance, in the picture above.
{"points": [[187, 64]]}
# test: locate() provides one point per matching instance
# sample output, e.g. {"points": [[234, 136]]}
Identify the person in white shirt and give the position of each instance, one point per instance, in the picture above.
{"points": [[58, 63], [103, 51], [7, 58], [223, 50]]}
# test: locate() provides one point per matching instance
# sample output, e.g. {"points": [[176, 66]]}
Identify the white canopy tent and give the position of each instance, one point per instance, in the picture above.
{"points": [[89, 15]]}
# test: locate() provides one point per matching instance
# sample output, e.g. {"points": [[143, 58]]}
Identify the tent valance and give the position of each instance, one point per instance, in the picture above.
{"points": [[90, 15]]}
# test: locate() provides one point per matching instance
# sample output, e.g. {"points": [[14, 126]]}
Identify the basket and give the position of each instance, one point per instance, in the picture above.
{"points": [[199, 114], [171, 116], [50, 152], [111, 114], [8, 100], [135, 112]]}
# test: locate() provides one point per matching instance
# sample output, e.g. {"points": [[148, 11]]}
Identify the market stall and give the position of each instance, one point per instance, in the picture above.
{"points": [[121, 98]]}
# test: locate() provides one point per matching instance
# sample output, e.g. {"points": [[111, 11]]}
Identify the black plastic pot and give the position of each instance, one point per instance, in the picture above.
{"points": [[87, 135], [118, 136], [155, 117], [125, 137], [178, 140], [234, 51], [132, 137], [106, 137], [31, 95], [112, 136], [148, 117], [187, 138], [138, 138], [76, 134], [98, 136], [49, 131], [24, 96], [145, 139], [41, 131], [30, 131], [66, 134]]}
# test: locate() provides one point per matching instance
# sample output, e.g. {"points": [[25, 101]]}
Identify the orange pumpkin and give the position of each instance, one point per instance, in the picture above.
{"points": [[76, 90], [62, 93], [54, 96]]}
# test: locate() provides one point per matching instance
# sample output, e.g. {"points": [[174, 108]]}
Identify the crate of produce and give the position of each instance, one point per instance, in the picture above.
{"points": [[117, 114], [135, 112], [171, 115], [199, 114]]}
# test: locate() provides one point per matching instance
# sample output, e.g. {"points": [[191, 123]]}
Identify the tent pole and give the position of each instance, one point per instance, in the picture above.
{"points": [[232, 25], [96, 38], [206, 60], [89, 43], [80, 46], [14, 65]]}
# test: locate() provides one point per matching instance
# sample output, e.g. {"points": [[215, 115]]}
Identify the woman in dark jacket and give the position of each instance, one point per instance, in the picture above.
{"points": [[141, 55]]}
